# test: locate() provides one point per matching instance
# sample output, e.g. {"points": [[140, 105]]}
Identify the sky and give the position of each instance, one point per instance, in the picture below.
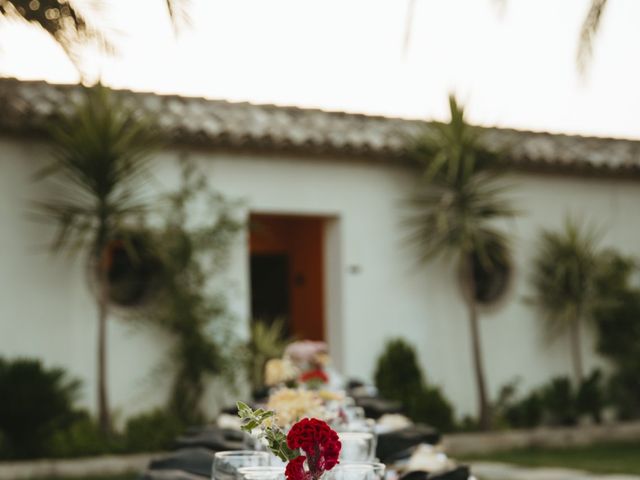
{"points": [[512, 62]]}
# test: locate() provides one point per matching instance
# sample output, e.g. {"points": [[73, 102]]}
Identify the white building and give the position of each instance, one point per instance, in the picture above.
{"points": [[331, 186]]}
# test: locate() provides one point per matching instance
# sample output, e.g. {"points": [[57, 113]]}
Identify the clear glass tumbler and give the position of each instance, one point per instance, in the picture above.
{"points": [[260, 473], [379, 468], [351, 471], [226, 464], [357, 447]]}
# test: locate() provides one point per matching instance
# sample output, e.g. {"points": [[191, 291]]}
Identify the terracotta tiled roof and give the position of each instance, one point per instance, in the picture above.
{"points": [[25, 106]]}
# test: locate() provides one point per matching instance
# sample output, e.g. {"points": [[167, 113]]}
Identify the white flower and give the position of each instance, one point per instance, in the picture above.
{"points": [[277, 371], [292, 405]]}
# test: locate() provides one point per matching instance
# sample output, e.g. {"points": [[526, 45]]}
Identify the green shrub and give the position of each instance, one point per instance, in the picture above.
{"points": [[624, 393], [35, 402], [557, 403], [558, 399], [399, 377], [526, 413], [428, 405], [152, 431], [468, 423], [618, 324], [591, 398], [37, 418], [83, 438]]}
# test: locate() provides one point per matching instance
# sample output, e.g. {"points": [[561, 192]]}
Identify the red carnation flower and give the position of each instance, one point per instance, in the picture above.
{"points": [[320, 444], [315, 376], [295, 469]]}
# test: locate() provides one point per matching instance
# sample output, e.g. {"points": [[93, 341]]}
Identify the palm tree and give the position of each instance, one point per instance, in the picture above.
{"points": [[564, 282], [453, 215], [100, 153], [268, 340], [70, 26]]}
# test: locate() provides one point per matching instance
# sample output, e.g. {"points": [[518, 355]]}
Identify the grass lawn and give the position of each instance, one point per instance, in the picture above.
{"points": [[600, 458], [131, 476]]}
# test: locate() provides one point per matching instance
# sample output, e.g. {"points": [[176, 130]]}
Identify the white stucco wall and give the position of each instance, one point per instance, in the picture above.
{"points": [[46, 309]]}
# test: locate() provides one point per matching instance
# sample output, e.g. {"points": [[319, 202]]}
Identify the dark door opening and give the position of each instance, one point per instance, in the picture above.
{"points": [[287, 272], [270, 287]]}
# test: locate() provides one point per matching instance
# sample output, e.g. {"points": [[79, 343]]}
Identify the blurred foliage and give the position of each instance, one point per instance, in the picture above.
{"points": [[69, 22], [460, 195], [95, 181], [188, 303], [564, 275], [398, 376], [588, 31], [268, 340], [556, 403], [571, 276], [592, 396], [429, 405], [38, 418], [559, 402], [100, 167], [527, 413], [617, 319], [64, 21], [35, 403], [492, 270], [564, 282], [83, 438], [134, 268], [147, 432], [151, 432], [453, 214], [101, 154], [624, 392]]}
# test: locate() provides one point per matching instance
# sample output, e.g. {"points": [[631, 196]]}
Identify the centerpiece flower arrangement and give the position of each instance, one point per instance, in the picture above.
{"points": [[280, 371], [310, 448], [314, 379], [303, 363], [289, 405]]}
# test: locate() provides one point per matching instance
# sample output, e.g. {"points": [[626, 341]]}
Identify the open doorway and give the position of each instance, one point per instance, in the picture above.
{"points": [[287, 272]]}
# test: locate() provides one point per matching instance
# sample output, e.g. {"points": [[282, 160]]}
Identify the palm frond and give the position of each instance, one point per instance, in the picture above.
{"points": [[179, 13], [461, 193], [588, 32], [411, 7], [457, 218], [64, 21], [100, 158], [269, 339], [452, 152], [564, 274]]}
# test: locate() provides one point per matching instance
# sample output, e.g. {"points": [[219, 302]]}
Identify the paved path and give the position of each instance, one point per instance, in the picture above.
{"points": [[79, 467], [459, 444], [503, 471]]}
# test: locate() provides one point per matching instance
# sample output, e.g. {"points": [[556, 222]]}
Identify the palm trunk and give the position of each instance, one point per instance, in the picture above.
{"points": [[484, 409], [576, 345], [104, 263], [104, 416]]}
